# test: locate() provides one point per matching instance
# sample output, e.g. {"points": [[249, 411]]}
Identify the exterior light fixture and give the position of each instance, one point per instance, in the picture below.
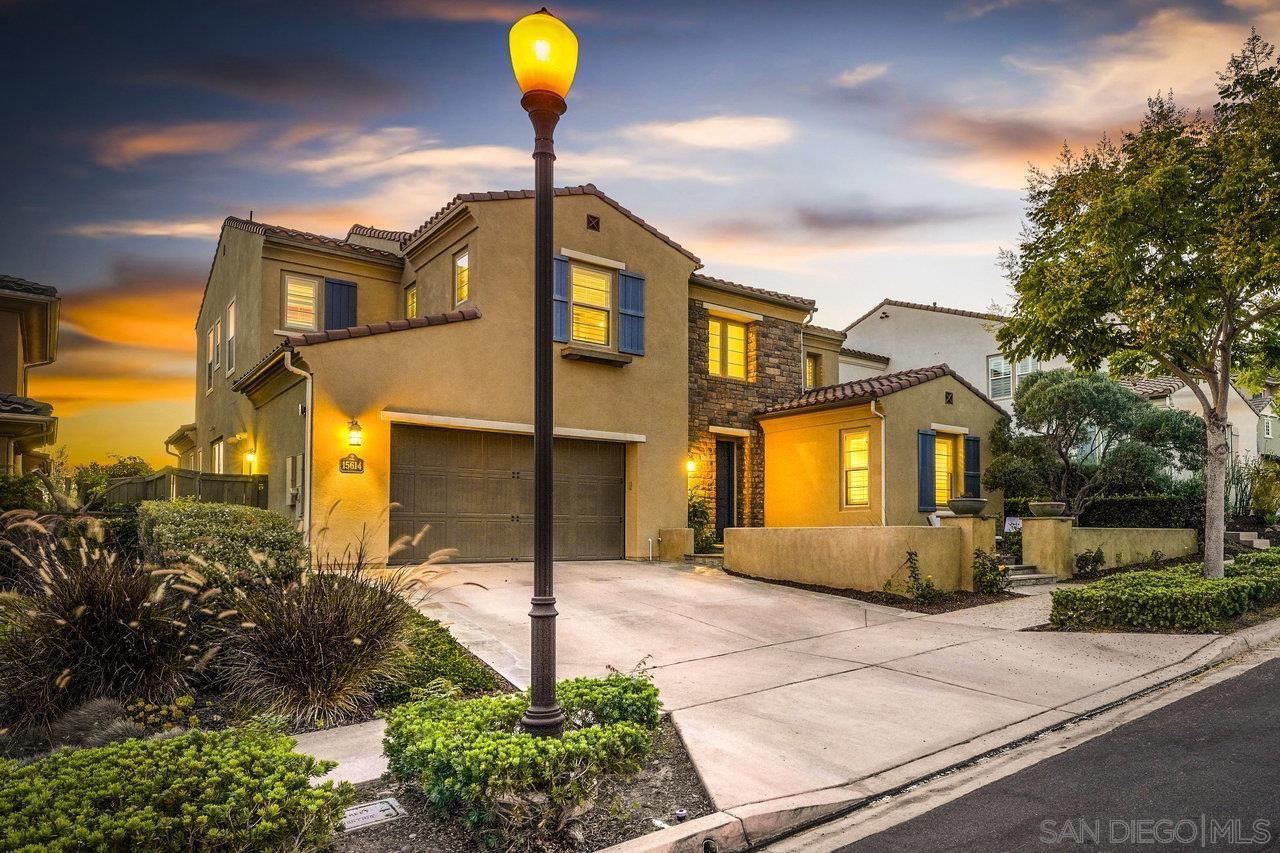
{"points": [[251, 457], [691, 466], [355, 435], [544, 57]]}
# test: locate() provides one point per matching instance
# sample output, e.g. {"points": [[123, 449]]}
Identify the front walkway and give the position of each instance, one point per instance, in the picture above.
{"points": [[779, 691]]}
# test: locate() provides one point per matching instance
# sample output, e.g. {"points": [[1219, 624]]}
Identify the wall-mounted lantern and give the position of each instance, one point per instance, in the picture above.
{"points": [[355, 435], [690, 466]]}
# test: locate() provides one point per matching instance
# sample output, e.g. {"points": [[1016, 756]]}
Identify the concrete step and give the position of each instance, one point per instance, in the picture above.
{"points": [[1262, 544], [1031, 580], [1241, 536], [714, 561], [1014, 570]]}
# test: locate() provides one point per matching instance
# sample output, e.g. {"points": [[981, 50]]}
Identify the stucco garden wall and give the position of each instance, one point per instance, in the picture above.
{"points": [[844, 557], [1133, 544]]}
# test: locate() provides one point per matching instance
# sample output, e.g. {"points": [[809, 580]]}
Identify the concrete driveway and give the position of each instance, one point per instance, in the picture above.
{"points": [[779, 691]]}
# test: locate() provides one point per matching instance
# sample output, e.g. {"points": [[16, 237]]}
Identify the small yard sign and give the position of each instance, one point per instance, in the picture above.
{"points": [[351, 464], [369, 814]]}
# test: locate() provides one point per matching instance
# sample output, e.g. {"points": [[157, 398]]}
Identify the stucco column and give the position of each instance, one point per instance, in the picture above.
{"points": [[975, 532], [1046, 544]]}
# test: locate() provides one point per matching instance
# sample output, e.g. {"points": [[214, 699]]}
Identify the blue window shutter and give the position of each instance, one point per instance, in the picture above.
{"points": [[631, 313], [560, 301], [924, 466], [972, 466], [339, 304]]}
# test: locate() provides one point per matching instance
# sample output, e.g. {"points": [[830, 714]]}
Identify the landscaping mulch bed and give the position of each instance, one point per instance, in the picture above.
{"points": [[626, 809], [958, 600]]}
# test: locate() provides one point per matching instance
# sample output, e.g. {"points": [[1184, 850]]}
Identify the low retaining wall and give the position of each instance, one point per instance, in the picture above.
{"points": [[845, 557], [1133, 544]]}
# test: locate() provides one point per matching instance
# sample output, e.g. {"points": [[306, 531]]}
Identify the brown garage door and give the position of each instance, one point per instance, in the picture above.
{"points": [[475, 490]]}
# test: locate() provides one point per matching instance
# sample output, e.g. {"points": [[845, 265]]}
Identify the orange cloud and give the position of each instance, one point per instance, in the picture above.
{"points": [[132, 144], [144, 305]]}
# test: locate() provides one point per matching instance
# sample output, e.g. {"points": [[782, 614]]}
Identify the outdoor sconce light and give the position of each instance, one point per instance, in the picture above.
{"points": [[544, 54], [355, 435], [691, 466], [251, 456]]}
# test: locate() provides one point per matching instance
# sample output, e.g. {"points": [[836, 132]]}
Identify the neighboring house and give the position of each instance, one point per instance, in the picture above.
{"points": [[890, 450], [898, 335], [395, 367], [1268, 426], [28, 338], [1245, 426], [182, 446]]}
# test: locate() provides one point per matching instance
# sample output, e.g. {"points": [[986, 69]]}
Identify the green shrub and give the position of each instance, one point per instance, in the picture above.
{"points": [[430, 653], [704, 530], [989, 577], [917, 587], [470, 755], [232, 543], [1011, 544], [1175, 511], [21, 491], [1089, 563], [234, 790], [313, 649], [93, 625], [1177, 599]]}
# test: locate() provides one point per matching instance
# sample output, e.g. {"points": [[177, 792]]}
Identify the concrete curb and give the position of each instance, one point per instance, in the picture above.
{"points": [[751, 826]]}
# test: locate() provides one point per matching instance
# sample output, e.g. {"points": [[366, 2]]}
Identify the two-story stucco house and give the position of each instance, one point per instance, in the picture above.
{"points": [[383, 382], [28, 338]]}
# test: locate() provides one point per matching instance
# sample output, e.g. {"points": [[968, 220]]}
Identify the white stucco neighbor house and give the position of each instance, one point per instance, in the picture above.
{"points": [[898, 335]]}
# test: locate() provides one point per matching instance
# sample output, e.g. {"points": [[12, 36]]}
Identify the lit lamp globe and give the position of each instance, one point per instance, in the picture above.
{"points": [[544, 54]]}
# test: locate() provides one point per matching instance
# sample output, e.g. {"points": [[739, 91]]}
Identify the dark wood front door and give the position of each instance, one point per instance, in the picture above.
{"points": [[726, 486], [475, 490]]}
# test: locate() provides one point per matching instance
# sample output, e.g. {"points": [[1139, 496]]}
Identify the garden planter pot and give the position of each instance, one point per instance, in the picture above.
{"points": [[1047, 509], [967, 506]]}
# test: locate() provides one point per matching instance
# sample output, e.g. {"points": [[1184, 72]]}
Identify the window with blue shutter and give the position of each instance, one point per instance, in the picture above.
{"points": [[926, 439], [972, 466], [631, 313], [560, 301], [339, 304]]}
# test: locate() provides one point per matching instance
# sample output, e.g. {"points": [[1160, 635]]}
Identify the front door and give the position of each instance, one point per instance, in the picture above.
{"points": [[726, 486]]}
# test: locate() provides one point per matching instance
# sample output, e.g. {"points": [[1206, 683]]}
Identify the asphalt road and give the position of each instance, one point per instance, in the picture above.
{"points": [[1202, 773]]}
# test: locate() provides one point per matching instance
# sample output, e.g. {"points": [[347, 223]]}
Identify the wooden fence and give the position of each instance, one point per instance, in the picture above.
{"points": [[170, 483]]}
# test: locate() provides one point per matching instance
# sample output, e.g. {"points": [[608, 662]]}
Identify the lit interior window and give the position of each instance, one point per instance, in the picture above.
{"points": [[855, 455], [591, 303], [462, 277], [300, 303]]}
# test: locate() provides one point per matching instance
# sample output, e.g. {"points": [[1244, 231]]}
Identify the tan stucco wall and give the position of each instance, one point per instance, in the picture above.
{"points": [[13, 374], [482, 369], [802, 474], [918, 408], [1132, 544], [1046, 544], [278, 432], [827, 348], [844, 557]]}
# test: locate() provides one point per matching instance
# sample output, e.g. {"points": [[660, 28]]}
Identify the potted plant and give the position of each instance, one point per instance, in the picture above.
{"points": [[1047, 509], [967, 505]]}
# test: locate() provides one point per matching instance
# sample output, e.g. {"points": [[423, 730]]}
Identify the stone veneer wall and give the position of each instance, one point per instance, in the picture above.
{"points": [[775, 373]]}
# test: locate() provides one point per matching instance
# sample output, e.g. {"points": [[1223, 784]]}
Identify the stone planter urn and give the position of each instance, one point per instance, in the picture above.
{"points": [[1047, 509], [967, 506]]}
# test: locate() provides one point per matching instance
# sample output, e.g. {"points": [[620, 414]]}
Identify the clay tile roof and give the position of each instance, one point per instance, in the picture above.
{"points": [[377, 233], [12, 404], [505, 195], [835, 333], [773, 295], [959, 312], [861, 353], [1159, 386], [363, 331], [306, 237], [21, 285], [865, 390]]}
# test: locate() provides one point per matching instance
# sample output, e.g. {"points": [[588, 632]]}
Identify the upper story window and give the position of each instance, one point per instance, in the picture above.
{"points": [[411, 302], [812, 370], [461, 277], [855, 447], [591, 295], [1003, 376], [301, 296], [726, 348], [208, 361], [231, 337], [1267, 427], [218, 456]]}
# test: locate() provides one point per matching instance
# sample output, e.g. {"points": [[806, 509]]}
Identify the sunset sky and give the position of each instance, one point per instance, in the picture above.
{"points": [[846, 151]]}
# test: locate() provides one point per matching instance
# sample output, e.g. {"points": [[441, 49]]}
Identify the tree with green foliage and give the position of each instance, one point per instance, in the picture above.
{"points": [[1082, 436], [92, 478], [1161, 255]]}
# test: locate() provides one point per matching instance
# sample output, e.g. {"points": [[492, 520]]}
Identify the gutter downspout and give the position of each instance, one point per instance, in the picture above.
{"points": [[884, 496], [306, 445]]}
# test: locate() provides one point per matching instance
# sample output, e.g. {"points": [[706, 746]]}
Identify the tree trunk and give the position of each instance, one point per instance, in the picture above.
{"points": [[1215, 487]]}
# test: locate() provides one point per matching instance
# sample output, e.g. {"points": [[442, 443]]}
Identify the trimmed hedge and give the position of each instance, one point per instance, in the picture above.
{"points": [[234, 790], [1175, 599], [225, 535], [471, 755], [1145, 511], [430, 653]]}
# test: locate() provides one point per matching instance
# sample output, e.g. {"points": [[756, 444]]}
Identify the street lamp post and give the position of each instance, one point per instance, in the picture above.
{"points": [[544, 56]]}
